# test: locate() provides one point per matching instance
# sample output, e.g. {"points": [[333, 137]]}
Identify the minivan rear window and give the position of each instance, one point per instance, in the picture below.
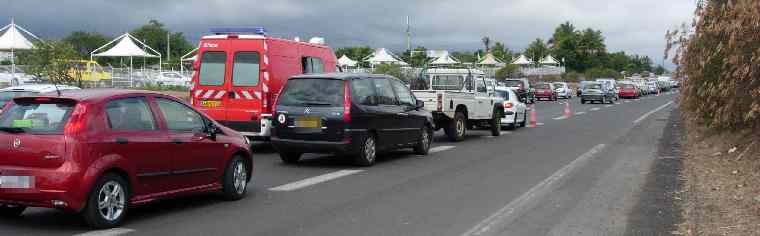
{"points": [[312, 92], [245, 71], [212, 68], [37, 116]]}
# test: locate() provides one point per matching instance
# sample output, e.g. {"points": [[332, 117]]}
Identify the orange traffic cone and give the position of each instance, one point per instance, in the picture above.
{"points": [[658, 92], [568, 113], [532, 116]]}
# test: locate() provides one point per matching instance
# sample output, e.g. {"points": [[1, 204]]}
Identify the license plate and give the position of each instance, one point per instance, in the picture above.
{"points": [[308, 122], [211, 104], [18, 182]]}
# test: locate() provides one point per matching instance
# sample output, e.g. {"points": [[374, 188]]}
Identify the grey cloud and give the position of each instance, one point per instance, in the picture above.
{"points": [[636, 26]]}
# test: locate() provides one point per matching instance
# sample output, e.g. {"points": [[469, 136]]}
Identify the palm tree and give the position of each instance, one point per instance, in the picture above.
{"points": [[487, 43]]}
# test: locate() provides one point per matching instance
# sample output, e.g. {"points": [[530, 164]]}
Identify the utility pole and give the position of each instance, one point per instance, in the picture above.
{"points": [[409, 38], [168, 42]]}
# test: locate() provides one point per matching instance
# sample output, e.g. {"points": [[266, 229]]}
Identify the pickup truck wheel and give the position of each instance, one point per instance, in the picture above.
{"points": [[496, 124], [457, 127], [423, 145]]}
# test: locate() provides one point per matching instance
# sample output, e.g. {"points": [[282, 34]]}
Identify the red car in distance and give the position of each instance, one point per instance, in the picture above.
{"points": [[628, 91], [99, 152], [546, 91]]}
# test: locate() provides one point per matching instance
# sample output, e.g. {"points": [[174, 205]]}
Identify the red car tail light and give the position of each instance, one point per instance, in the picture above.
{"points": [[347, 102], [508, 105], [77, 121]]}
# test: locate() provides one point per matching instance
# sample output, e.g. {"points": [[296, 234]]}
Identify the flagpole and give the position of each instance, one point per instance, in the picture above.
{"points": [[13, 56]]}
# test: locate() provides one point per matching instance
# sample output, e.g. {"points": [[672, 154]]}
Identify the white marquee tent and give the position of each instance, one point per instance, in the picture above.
{"points": [[345, 62], [549, 60], [522, 60], [12, 40], [490, 59], [383, 56], [189, 57], [445, 59], [126, 47]]}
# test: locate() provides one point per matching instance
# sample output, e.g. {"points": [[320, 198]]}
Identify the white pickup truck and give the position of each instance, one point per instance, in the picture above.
{"points": [[460, 99]]}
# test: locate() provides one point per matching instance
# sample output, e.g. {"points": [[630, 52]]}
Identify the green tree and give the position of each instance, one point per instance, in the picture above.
{"points": [[501, 52], [465, 57], [85, 42], [418, 59], [355, 53], [660, 70], [154, 35], [486, 43], [392, 70], [564, 45], [601, 72], [537, 50], [52, 61]]}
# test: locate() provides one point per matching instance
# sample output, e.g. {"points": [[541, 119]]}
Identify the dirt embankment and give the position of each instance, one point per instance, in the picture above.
{"points": [[721, 182]]}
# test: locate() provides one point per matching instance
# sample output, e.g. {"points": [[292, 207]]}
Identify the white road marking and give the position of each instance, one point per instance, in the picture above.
{"points": [[505, 132], [594, 109], [580, 113], [651, 112], [537, 124], [560, 118], [314, 180], [617, 103], [440, 149], [607, 105], [523, 203], [626, 101], [107, 232]]}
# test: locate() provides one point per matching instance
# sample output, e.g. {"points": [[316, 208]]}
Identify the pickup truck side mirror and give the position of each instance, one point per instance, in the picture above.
{"points": [[420, 104]]}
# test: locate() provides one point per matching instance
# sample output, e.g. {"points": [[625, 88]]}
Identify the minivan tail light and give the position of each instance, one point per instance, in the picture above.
{"points": [[77, 120], [507, 105], [439, 107], [346, 102]]}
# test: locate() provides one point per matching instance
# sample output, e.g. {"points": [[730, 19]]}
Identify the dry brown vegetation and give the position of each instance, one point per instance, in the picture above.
{"points": [[719, 60]]}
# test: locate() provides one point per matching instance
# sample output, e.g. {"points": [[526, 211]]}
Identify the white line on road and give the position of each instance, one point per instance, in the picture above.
{"points": [[651, 112], [539, 124], [560, 118], [580, 113], [607, 105], [490, 226], [626, 101], [314, 180], [594, 109], [440, 149], [107, 232]]}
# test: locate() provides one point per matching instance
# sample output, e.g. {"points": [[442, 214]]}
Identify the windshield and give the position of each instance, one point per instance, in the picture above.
{"points": [[513, 83], [593, 86], [627, 86], [212, 68], [503, 94], [39, 117], [312, 92], [8, 95], [559, 85], [542, 86], [448, 82]]}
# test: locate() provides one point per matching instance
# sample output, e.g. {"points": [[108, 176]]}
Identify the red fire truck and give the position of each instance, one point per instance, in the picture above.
{"points": [[240, 71]]}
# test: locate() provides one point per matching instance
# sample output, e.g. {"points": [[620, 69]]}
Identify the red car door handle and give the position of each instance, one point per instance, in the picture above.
{"points": [[177, 141], [122, 141]]}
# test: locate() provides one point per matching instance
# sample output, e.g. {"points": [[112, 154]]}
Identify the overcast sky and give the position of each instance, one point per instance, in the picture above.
{"points": [[635, 26]]}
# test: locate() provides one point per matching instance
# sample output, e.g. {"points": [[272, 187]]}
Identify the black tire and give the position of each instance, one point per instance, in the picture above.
{"points": [[11, 211], [235, 179], [496, 123], [525, 119], [426, 138], [367, 151], [457, 127], [93, 214], [290, 157], [583, 101]]}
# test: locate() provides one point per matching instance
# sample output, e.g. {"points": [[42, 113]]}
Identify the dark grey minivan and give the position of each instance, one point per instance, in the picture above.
{"points": [[348, 114]]}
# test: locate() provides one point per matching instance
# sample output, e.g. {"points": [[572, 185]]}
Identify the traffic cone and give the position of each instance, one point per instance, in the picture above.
{"points": [[568, 113], [532, 116], [658, 92]]}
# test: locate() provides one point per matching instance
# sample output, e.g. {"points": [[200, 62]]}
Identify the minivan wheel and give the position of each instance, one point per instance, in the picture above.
{"points": [[108, 202], [290, 157], [423, 145], [235, 179], [457, 127], [496, 123], [11, 211], [367, 152]]}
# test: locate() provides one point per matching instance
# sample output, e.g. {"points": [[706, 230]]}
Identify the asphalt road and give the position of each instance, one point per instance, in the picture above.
{"points": [[580, 175]]}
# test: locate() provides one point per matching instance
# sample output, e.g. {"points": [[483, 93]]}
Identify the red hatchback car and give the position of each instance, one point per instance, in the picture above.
{"points": [[99, 152]]}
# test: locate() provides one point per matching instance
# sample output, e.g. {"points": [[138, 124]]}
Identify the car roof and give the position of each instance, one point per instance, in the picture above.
{"points": [[99, 94], [40, 88], [339, 76]]}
